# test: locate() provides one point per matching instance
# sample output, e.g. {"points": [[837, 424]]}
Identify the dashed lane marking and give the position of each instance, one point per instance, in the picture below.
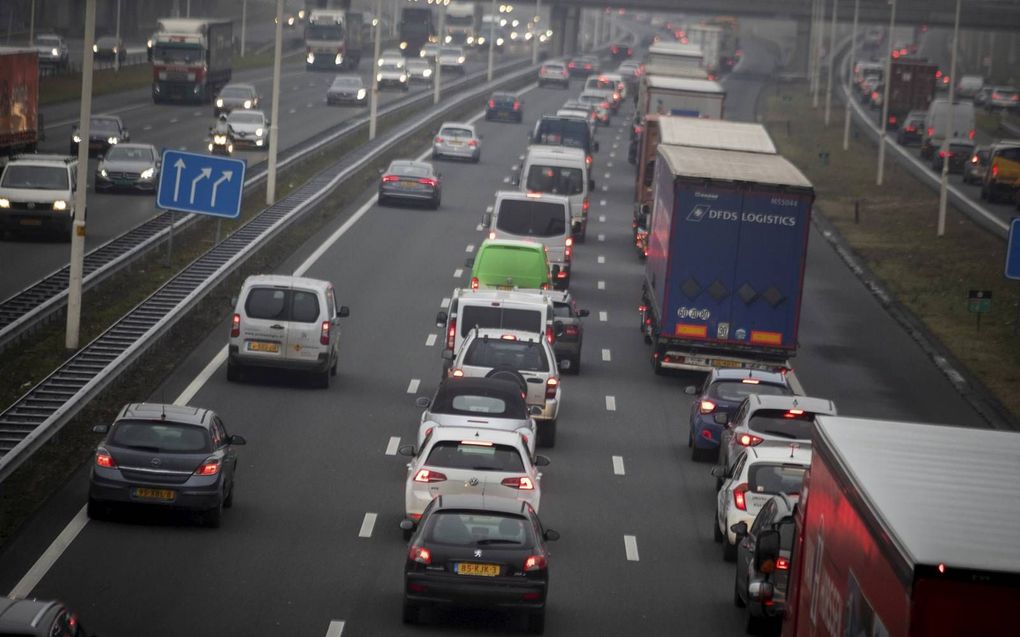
{"points": [[459, 272], [173, 120], [602, 218], [336, 628], [618, 466], [601, 285], [412, 387], [601, 259], [431, 340], [610, 403], [603, 316], [367, 525], [445, 303], [470, 248], [602, 237], [607, 356], [393, 445], [630, 546]]}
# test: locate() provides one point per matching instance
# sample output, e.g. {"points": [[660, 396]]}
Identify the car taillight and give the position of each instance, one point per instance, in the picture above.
{"points": [[585, 205], [707, 406], [210, 467], [587, 160], [970, 134], [517, 105], [427, 475], [324, 333], [472, 143], [630, 51], [568, 248], [534, 563], [474, 283], [390, 178], [911, 129], [749, 440], [615, 49], [523, 483], [782, 564], [605, 105], [995, 170], [892, 119], [739, 499], [550, 334], [931, 131], [525, 439], [235, 326], [587, 67], [943, 154], [428, 181], [439, 140], [974, 159], [550, 387], [451, 334], [572, 65], [420, 554], [570, 330], [492, 103], [104, 459]]}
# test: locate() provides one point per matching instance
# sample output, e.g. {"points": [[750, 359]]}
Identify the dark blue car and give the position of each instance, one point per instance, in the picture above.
{"points": [[717, 399]]}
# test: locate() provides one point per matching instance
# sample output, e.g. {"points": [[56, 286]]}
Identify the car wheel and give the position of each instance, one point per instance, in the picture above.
{"points": [[435, 203], [717, 535], [729, 551], [410, 615], [214, 517], [546, 436], [755, 625], [698, 454], [383, 201], [233, 372], [229, 500], [536, 622], [96, 510], [738, 601], [321, 379]]}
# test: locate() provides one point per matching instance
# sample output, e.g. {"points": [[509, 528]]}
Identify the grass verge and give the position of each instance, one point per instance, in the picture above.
{"points": [[896, 237]]}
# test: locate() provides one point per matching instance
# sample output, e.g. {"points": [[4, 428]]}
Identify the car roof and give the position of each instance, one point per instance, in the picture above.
{"points": [[497, 334], [777, 378], [250, 87], [39, 159], [457, 125], [487, 295], [807, 403], [545, 151], [185, 414], [138, 146], [512, 243], [472, 502], [286, 280]]}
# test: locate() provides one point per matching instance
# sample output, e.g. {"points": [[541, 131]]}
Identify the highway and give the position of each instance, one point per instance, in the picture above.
{"points": [[312, 546]]}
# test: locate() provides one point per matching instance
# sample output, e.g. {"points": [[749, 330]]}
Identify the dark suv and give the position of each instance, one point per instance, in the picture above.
{"points": [[38, 618], [763, 564]]}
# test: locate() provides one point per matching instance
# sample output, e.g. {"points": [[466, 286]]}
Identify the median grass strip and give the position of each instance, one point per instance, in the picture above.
{"points": [[895, 234]]}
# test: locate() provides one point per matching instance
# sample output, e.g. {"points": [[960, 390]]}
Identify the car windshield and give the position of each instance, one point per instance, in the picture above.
{"points": [[476, 456], [275, 304], [177, 52], [736, 390], [487, 317], [532, 218], [104, 125], [458, 133], [387, 65], [245, 117], [160, 437], [767, 477], [462, 528], [557, 180], [409, 170], [324, 32], [127, 153], [451, 51], [35, 177], [527, 356], [782, 423], [236, 91], [48, 42]]}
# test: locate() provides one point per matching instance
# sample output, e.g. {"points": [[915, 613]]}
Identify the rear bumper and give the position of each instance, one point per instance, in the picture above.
{"points": [[466, 590], [236, 357], [706, 433], [187, 495], [456, 151]]}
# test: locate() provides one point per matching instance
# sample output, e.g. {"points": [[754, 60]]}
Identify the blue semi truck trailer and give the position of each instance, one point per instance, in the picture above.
{"points": [[726, 252]]}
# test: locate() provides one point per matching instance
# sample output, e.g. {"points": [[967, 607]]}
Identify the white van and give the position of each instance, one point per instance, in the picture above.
{"points": [[560, 170], [936, 124], [286, 322], [538, 217]]}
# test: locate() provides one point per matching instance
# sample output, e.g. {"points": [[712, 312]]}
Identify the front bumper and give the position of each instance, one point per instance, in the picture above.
{"points": [[36, 220], [466, 590], [346, 99], [138, 184]]}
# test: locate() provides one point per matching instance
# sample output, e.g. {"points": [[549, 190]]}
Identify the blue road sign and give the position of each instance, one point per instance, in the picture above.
{"points": [[207, 185], [1013, 250]]}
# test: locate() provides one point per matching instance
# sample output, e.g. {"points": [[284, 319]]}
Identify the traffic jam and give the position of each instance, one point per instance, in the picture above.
{"points": [[820, 522]]}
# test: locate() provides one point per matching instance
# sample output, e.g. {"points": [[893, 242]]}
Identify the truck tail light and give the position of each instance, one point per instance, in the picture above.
{"points": [[420, 554], [707, 406], [324, 333], [451, 334], [970, 134], [104, 459], [749, 440], [739, 499], [535, 563], [892, 120], [943, 154], [427, 475], [523, 483], [550, 387], [587, 160], [235, 326], [782, 564]]}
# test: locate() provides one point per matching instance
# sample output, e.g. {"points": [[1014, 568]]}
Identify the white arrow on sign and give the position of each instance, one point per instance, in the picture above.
{"points": [[179, 165], [194, 182], [227, 174]]}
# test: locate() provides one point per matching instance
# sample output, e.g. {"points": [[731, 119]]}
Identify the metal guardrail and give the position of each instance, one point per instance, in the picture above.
{"points": [[46, 408], [35, 304]]}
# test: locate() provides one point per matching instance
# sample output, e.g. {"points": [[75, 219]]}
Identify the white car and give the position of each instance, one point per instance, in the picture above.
{"points": [[452, 58], [391, 73], [457, 139], [600, 101], [525, 358], [758, 474], [248, 128], [470, 461]]}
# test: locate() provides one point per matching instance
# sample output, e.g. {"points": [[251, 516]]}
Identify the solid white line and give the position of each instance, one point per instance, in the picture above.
{"points": [[610, 403], [601, 259], [393, 445], [601, 285], [470, 248], [603, 316], [459, 272], [445, 303], [618, 466], [203, 377], [430, 341], [147, 127], [605, 188], [336, 628], [50, 556], [630, 545], [412, 386], [607, 355], [367, 525]]}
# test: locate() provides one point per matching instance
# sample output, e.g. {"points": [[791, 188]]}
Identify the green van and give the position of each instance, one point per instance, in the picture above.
{"points": [[507, 264]]}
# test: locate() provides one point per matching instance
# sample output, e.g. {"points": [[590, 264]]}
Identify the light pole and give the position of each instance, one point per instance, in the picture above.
{"points": [[818, 58], [120, 45], [849, 76], [442, 40], [885, 96], [534, 32], [31, 23], [812, 46], [492, 37], [274, 118], [77, 263], [188, 9], [373, 102], [244, 24], [951, 130], [832, 48]]}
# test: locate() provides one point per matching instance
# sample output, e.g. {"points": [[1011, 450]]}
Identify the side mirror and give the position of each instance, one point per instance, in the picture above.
{"points": [[237, 440], [407, 525], [721, 419], [563, 364], [534, 410], [719, 471], [441, 319], [101, 429], [558, 328], [344, 311], [407, 450], [486, 220], [767, 548], [591, 185], [740, 528], [583, 313], [469, 262], [690, 390], [422, 401], [447, 355], [541, 461], [550, 535], [515, 180]]}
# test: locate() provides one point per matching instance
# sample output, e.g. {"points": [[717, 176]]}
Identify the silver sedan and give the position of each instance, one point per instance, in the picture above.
{"points": [[456, 139]]}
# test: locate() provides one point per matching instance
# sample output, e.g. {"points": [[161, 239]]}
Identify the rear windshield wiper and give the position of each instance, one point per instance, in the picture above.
{"points": [[496, 541]]}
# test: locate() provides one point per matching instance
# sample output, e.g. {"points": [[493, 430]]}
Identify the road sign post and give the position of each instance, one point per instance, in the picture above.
{"points": [[202, 184], [979, 302]]}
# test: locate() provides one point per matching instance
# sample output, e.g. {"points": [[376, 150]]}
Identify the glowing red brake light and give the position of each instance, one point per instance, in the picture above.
{"points": [[472, 143], [931, 131], [235, 326], [104, 459], [587, 160], [324, 333], [492, 103], [451, 334], [749, 440], [995, 170], [782, 564], [550, 387], [707, 406], [420, 554], [209, 468], [794, 412], [523, 483], [517, 105], [390, 178], [550, 334], [943, 154], [474, 283], [534, 563], [428, 181], [585, 205], [970, 134], [739, 500], [427, 475], [892, 119], [439, 140]]}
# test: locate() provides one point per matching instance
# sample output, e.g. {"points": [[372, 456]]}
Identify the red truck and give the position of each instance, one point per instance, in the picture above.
{"points": [[19, 100], [906, 530], [911, 88]]}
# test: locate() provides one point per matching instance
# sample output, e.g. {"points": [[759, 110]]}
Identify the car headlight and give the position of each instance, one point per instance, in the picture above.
{"points": [[219, 139], [60, 204], [481, 40], [95, 48], [103, 173], [381, 63], [310, 58], [77, 138], [403, 45], [513, 35], [258, 132], [112, 140], [339, 59], [361, 93], [219, 102], [403, 78], [148, 173], [4, 202], [426, 73], [148, 43], [460, 60], [499, 41], [290, 21], [247, 103], [471, 39], [447, 39], [421, 53], [55, 52], [301, 14]]}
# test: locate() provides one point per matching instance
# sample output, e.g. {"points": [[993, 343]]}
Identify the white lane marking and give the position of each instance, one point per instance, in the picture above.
{"points": [[602, 237], [173, 120], [602, 202], [610, 403], [367, 525], [336, 628], [601, 259], [333, 238], [601, 285], [459, 272], [445, 303], [506, 179], [618, 466], [630, 545], [615, 146], [602, 218], [393, 445], [520, 158], [308, 105], [795, 383], [479, 227], [609, 164], [197, 114], [430, 341], [470, 248], [147, 127], [611, 155], [603, 316], [202, 378], [50, 556], [488, 208], [412, 386], [605, 188], [292, 111], [607, 175], [607, 356]]}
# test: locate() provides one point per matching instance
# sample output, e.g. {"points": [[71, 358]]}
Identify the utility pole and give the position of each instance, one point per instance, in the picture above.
{"points": [[120, 45], [951, 130], [373, 102], [818, 55], [492, 37], [77, 263], [274, 117], [534, 32], [31, 23], [885, 96], [832, 49], [442, 39], [849, 77], [244, 23]]}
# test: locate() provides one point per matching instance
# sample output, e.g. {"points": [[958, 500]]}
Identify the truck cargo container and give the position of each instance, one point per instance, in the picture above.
{"points": [[415, 29], [911, 87], [708, 38], [192, 59], [19, 100], [905, 530], [726, 254], [680, 96], [675, 54]]}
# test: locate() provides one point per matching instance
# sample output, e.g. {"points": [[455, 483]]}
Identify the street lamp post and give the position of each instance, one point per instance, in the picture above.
{"points": [[120, 45], [492, 37], [373, 102], [274, 118], [534, 32], [832, 49], [951, 130], [885, 96], [849, 76], [244, 23], [442, 41], [818, 54], [31, 23]]}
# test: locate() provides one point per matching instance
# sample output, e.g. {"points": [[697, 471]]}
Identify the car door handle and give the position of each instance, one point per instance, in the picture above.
{"points": [[535, 380], [276, 327]]}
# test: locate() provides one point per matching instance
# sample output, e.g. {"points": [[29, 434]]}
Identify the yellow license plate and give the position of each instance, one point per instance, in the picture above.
{"points": [[725, 363], [470, 568], [155, 494], [264, 347]]}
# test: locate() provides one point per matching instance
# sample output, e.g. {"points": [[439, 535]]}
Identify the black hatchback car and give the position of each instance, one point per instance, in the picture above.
{"points": [[912, 129], [38, 618], [504, 106], [570, 329], [165, 455], [478, 551]]}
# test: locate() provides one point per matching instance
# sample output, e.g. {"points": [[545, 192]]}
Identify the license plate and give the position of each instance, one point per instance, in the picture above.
{"points": [[264, 347], [155, 494], [408, 185], [504, 287], [695, 360], [31, 222], [722, 362], [470, 568]]}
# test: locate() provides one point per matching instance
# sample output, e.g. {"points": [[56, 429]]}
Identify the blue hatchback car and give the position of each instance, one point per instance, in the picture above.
{"points": [[717, 399]]}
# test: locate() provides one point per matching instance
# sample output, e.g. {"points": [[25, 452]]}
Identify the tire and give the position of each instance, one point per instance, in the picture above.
{"points": [[214, 517], [229, 500], [435, 203], [233, 372], [699, 455], [506, 373], [406, 533], [536, 622], [717, 536], [729, 551], [383, 201], [575, 365], [335, 366], [96, 510], [737, 600], [546, 435], [410, 614]]}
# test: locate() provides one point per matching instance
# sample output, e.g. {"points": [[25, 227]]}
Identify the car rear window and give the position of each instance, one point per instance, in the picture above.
{"points": [[785, 424], [519, 355], [478, 529], [961, 149], [275, 304], [736, 391], [766, 477], [1010, 154], [533, 218], [487, 405], [562, 132], [455, 132], [486, 317], [160, 437], [409, 170], [557, 180], [453, 454], [553, 67]]}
